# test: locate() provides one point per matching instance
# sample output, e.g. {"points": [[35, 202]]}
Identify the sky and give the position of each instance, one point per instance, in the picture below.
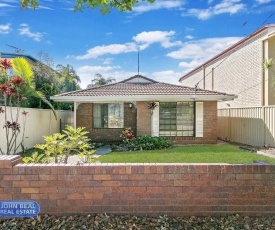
{"points": [[173, 36]]}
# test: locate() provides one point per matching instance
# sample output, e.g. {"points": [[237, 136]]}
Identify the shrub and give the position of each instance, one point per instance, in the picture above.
{"points": [[59, 146], [148, 143]]}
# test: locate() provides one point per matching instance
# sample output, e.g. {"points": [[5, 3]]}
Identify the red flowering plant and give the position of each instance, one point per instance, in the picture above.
{"points": [[12, 95], [127, 135]]}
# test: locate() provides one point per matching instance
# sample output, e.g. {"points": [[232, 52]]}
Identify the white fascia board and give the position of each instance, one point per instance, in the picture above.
{"points": [[144, 98], [271, 33]]}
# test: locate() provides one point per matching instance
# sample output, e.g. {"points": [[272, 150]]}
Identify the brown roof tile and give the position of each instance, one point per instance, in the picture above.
{"points": [[137, 89]]}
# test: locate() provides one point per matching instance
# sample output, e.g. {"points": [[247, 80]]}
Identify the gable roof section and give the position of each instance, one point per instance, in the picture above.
{"points": [[227, 50], [138, 79], [123, 91]]}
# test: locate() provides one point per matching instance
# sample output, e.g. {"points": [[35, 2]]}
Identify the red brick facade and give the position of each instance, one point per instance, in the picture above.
{"points": [[141, 189], [139, 119], [143, 119], [84, 118]]}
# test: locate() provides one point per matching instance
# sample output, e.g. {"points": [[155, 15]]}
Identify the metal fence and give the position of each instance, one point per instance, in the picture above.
{"points": [[253, 126]]}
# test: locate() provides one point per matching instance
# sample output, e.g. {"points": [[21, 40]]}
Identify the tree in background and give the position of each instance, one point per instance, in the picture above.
{"points": [[46, 80], [69, 80], [104, 5], [51, 82], [99, 80]]}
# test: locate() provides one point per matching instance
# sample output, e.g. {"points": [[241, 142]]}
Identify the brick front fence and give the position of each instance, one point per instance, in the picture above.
{"points": [[141, 189]]}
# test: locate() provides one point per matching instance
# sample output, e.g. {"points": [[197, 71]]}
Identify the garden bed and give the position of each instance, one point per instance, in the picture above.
{"points": [[104, 221]]}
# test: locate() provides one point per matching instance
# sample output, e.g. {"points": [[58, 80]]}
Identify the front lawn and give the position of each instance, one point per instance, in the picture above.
{"points": [[187, 154]]}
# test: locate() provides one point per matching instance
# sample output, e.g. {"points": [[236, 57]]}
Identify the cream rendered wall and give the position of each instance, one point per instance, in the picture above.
{"points": [[39, 123], [239, 72]]}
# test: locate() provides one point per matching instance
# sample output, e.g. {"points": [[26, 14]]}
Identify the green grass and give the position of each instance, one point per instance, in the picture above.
{"points": [[187, 154]]}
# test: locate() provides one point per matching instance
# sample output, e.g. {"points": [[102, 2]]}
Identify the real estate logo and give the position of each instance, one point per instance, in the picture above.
{"points": [[19, 208]]}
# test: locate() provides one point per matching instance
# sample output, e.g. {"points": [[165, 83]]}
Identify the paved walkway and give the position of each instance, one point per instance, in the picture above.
{"points": [[100, 151]]}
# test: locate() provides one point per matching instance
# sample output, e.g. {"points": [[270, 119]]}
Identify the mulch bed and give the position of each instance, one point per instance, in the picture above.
{"points": [[109, 222]]}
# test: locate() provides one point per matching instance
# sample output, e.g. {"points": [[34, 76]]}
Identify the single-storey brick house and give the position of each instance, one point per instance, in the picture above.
{"points": [[183, 114]]}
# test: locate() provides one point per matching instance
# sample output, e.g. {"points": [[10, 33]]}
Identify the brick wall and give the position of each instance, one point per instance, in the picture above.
{"points": [[143, 119], [84, 118], [141, 189]]}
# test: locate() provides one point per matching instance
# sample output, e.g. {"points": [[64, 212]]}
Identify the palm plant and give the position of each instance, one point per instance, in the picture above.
{"points": [[100, 80]]}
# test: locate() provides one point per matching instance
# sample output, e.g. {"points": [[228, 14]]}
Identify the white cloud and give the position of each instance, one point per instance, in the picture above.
{"points": [[263, 1], [142, 40], [5, 29], [168, 76], [87, 70], [107, 61], [87, 73], [25, 30], [109, 49], [5, 5], [188, 29], [158, 5], [228, 6], [163, 37], [189, 37], [192, 64], [44, 8], [225, 6], [203, 49]]}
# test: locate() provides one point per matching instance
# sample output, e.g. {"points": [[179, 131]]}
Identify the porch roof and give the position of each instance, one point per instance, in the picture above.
{"points": [[140, 88]]}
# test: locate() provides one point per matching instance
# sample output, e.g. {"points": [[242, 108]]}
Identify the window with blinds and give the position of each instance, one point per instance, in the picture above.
{"points": [[176, 119], [108, 115]]}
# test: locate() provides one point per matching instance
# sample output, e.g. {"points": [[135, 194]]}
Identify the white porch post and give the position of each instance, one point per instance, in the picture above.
{"points": [[75, 108], [155, 121]]}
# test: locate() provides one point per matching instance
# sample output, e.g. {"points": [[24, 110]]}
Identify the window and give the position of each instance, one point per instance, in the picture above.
{"points": [[176, 119], [108, 115]]}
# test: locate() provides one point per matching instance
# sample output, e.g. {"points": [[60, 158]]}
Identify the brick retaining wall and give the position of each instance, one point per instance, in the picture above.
{"points": [[141, 189]]}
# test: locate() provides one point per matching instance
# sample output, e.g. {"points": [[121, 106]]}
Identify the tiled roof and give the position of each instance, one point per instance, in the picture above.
{"points": [[138, 89]]}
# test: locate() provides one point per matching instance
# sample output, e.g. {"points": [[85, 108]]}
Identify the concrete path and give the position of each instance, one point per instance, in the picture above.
{"points": [[100, 151]]}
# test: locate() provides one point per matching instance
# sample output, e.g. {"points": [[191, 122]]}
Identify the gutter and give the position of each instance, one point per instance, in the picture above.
{"points": [[162, 98]]}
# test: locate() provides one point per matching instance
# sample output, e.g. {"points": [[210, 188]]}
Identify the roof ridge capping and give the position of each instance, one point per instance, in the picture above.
{"points": [[229, 49], [131, 80]]}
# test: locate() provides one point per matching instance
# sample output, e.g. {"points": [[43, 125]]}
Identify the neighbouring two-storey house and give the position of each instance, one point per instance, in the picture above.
{"points": [[239, 70]]}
